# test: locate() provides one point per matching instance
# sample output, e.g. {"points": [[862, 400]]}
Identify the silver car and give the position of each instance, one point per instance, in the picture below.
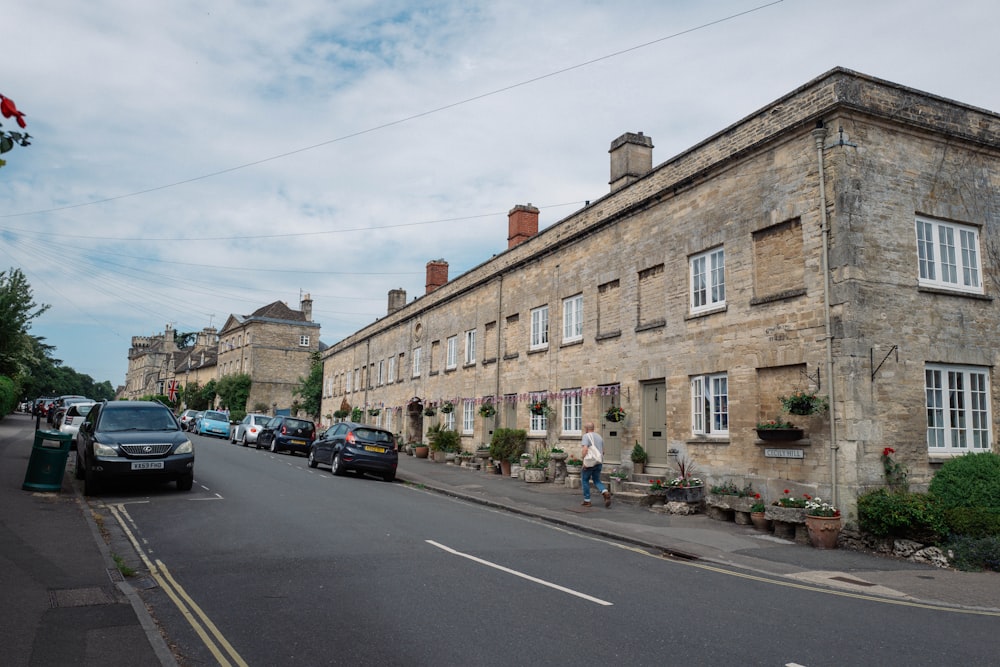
{"points": [[75, 414], [247, 430]]}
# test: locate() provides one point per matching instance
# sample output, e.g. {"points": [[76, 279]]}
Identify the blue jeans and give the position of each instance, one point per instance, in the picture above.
{"points": [[588, 474]]}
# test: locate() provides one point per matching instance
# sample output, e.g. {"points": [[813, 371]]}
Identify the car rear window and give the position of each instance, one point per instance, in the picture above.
{"points": [[371, 435], [259, 420], [216, 416], [80, 410], [298, 425]]}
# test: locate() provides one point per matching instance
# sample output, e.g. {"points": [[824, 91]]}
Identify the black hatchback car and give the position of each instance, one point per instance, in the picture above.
{"points": [[285, 433], [133, 439], [359, 447]]}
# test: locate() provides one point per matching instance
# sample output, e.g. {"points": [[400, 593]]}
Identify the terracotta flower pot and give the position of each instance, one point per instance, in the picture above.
{"points": [[760, 521], [823, 531], [420, 451]]}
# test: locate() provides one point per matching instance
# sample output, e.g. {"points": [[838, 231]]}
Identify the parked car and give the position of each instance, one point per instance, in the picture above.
{"points": [[186, 419], [213, 422], [248, 429], [359, 447], [50, 415], [62, 405], [283, 433], [192, 423], [133, 439], [76, 413]]}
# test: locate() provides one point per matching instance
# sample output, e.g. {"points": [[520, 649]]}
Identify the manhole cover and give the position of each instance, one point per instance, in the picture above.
{"points": [[80, 597]]}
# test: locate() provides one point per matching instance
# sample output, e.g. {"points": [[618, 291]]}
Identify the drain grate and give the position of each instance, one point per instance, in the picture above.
{"points": [[80, 597]]}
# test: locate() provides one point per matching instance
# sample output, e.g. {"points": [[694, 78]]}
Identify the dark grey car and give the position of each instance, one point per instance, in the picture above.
{"points": [[359, 447]]}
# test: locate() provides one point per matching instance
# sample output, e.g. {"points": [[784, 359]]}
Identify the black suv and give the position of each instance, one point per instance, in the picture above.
{"points": [[349, 446], [137, 439], [287, 433]]}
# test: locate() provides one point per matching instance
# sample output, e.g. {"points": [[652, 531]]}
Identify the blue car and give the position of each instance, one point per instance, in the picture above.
{"points": [[213, 422]]}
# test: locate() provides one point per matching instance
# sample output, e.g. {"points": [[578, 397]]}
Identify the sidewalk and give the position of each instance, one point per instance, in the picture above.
{"points": [[700, 538], [65, 602]]}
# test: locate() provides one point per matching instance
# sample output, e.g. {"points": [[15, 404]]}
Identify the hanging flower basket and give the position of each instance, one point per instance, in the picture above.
{"points": [[539, 407], [374, 412], [615, 414], [487, 410], [447, 407], [429, 412]]}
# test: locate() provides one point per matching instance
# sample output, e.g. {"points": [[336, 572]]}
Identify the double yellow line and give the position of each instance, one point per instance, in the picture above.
{"points": [[203, 626]]}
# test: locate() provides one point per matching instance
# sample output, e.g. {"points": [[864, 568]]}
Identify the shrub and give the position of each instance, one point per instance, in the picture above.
{"points": [[443, 440], [971, 484], [8, 396], [508, 443], [915, 516], [973, 554]]}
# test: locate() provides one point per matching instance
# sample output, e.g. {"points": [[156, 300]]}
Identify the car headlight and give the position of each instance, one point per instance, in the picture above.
{"points": [[104, 450], [184, 448]]}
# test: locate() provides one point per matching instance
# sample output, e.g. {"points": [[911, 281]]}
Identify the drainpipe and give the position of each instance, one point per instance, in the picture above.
{"points": [[496, 391], [819, 136]]}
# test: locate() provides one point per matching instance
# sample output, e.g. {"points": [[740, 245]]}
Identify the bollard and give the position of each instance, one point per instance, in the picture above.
{"points": [[48, 461]]}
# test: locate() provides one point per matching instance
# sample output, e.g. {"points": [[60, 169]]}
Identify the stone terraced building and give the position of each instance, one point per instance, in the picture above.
{"points": [[842, 240]]}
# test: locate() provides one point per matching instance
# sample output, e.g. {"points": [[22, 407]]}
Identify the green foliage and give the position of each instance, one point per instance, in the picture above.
{"points": [[639, 454], [17, 310], [804, 403], [444, 440], [233, 391], [973, 554], [507, 444], [973, 521], [729, 488], [357, 414], [972, 480], [8, 396], [310, 388], [915, 516]]}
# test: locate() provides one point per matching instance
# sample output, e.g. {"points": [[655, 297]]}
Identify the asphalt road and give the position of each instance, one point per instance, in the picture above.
{"points": [[267, 562]]}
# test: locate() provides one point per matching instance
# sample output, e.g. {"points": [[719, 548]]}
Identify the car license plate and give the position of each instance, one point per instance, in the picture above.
{"points": [[377, 450], [147, 465], [298, 442]]}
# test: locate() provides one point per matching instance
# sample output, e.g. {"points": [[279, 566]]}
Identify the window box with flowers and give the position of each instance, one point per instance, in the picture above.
{"points": [[823, 523], [778, 430]]}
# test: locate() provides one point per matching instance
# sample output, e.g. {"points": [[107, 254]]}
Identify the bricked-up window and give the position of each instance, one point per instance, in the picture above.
{"points": [[572, 412], [416, 362], [710, 404], [470, 346], [512, 335], [652, 306], [452, 360], [948, 255], [778, 261], [540, 328], [958, 409], [468, 416], [434, 361], [609, 309], [573, 319], [490, 341], [708, 280], [304, 341]]}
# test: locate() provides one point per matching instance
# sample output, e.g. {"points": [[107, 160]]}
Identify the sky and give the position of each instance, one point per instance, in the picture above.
{"points": [[191, 160]]}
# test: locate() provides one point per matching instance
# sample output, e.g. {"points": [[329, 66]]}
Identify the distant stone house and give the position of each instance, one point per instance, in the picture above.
{"points": [[273, 345], [153, 361], [843, 239]]}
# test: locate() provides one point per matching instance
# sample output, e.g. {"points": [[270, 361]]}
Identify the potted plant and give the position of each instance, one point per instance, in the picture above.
{"points": [[429, 412], [778, 430], [803, 403], [729, 502], [639, 458], [443, 442], [685, 487], [487, 410], [618, 477], [757, 516], [823, 523], [534, 467], [574, 466], [506, 445], [341, 414], [786, 512], [615, 414], [420, 450]]}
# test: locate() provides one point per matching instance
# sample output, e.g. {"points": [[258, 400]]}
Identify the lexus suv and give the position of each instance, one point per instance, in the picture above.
{"points": [[133, 440]]}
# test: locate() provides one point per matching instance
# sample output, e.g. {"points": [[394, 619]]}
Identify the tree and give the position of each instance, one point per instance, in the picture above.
{"points": [[17, 310], [234, 390], [310, 388]]}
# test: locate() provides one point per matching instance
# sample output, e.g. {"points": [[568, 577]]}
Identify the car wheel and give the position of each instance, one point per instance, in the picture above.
{"points": [[244, 440], [389, 477], [90, 483], [312, 460], [337, 466], [79, 465], [258, 442], [274, 445], [185, 482]]}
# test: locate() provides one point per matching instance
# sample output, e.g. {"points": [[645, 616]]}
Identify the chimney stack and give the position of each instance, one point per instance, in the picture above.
{"points": [[437, 274], [306, 306], [397, 299], [522, 224], [631, 159]]}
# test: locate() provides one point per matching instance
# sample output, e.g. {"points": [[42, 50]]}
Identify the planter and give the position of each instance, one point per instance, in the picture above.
{"points": [[420, 451], [686, 494], [534, 475], [505, 468], [785, 520], [637, 468], [823, 531], [760, 522], [574, 470], [617, 485], [779, 434], [440, 457], [515, 471]]}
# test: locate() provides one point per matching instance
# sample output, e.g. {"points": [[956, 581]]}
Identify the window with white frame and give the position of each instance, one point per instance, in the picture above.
{"points": [[391, 374], [958, 408], [540, 328], [452, 359], [708, 280], [572, 412], [347, 385], [416, 362], [948, 255], [357, 379], [572, 319], [381, 372], [468, 416], [388, 419], [710, 404], [539, 423], [304, 341], [449, 421], [470, 346]]}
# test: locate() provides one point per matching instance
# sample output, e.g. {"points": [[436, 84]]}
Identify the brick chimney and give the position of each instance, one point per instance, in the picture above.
{"points": [[522, 224], [306, 306], [437, 274], [631, 159], [397, 299]]}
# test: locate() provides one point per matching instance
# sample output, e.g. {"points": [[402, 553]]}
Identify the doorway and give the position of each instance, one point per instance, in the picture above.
{"points": [[654, 422]]}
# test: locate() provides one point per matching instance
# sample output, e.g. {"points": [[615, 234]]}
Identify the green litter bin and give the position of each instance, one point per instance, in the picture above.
{"points": [[48, 461]]}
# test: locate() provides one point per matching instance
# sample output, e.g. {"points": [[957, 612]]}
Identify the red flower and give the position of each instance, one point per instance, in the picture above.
{"points": [[807, 496], [786, 492], [757, 496], [9, 110], [887, 451]]}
